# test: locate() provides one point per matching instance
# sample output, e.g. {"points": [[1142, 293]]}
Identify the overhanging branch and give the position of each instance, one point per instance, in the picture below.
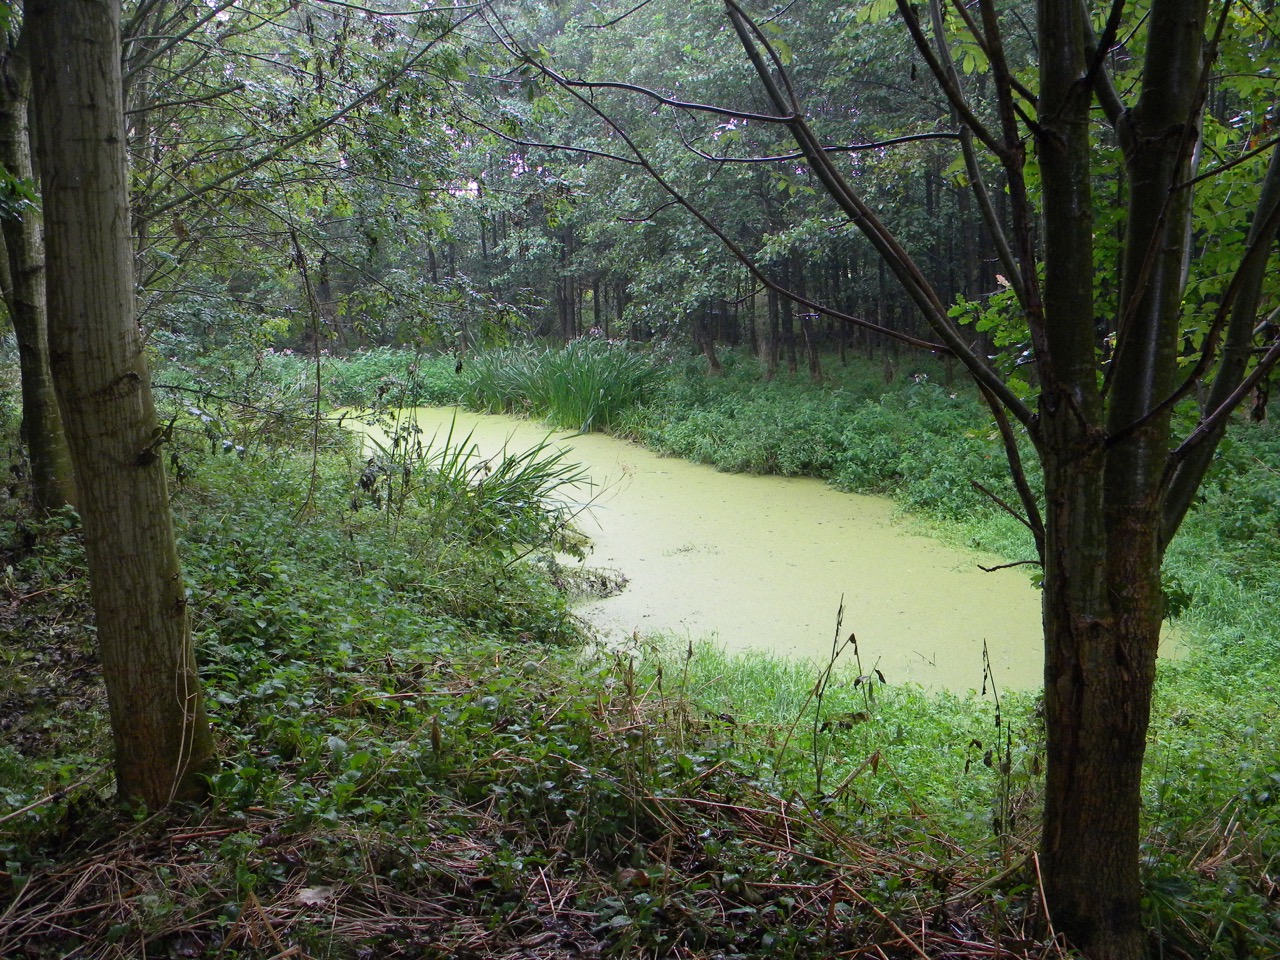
{"points": [[886, 244]]}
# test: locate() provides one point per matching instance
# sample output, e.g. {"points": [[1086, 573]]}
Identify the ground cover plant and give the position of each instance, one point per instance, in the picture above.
{"points": [[419, 759]]}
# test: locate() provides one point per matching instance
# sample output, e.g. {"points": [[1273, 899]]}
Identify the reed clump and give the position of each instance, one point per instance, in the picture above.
{"points": [[586, 385]]}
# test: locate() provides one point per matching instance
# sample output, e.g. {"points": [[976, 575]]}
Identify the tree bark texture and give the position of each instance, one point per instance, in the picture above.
{"points": [[52, 483], [162, 738], [1105, 457]]}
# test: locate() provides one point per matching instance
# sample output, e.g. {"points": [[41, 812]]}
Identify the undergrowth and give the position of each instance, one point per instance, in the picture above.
{"points": [[924, 443], [418, 761]]}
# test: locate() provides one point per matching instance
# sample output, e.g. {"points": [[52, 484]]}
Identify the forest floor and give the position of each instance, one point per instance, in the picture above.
{"points": [[489, 859]]}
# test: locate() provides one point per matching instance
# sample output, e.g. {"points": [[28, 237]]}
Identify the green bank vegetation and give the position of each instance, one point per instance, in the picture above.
{"points": [[419, 757]]}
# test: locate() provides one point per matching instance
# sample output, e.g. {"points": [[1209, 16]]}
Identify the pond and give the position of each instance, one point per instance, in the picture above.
{"points": [[766, 563]]}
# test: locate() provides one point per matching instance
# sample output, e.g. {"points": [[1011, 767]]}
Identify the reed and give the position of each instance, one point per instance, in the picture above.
{"points": [[586, 385]]}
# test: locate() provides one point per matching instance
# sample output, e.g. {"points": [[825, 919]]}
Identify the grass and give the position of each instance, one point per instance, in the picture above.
{"points": [[586, 385], [514, 502], [852, 430]]}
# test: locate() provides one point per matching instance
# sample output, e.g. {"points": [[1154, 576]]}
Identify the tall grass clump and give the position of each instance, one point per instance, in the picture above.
{"points": [[511, 503], [586, 385]]}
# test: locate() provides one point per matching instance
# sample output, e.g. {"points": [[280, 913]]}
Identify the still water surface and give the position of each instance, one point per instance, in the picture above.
{"points": [[762, 563]]}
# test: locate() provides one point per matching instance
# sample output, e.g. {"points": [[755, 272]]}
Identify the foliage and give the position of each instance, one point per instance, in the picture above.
{"points": [[392, 379], [17, 197], [327, 122], [515, 502], [586, 385], [918, 441]]}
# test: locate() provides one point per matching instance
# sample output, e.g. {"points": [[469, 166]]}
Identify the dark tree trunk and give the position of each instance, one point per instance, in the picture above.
{"points": [[786, 313], [52, 480], [799, 284], [771, 334], [1105, 473], [706, 343]]}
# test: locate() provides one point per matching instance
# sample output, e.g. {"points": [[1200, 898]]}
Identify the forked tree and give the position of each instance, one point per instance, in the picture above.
{"points": [[1110, 372], [162, 738]]}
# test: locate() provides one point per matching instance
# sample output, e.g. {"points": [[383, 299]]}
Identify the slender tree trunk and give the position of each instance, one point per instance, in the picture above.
{"points": [[706, 343], [772, 327], [619, 306], [786, 314], [799, 284], [52, 482], [162, 738]]}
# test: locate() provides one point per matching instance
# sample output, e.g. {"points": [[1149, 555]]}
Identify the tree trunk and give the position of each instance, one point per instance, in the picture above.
{"points": [[706, 343], [1102, 627], [162, 738], [52, 482], [1105, 472], [786, 314], [772, 334], [1114, 490], [1097, 686], [799, 284]]}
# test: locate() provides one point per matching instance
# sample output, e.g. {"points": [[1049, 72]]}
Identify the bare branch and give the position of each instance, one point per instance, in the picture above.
{"points": [[741, 255], [1210, 424], [1010, 565], [1255, 256], [947, 84], [1032, 519], [891, 251], [999, 502], [846, 148], [190, 101], [993, 48], [620, 17], [658, 97], [1228, 164], [540, 145], [1003, 251], [1098, 48], [995, 54], [150, 57]]}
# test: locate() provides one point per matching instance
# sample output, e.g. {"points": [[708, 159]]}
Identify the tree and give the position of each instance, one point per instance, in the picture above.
{"points": [[162, 738], [311, 129], [52, 483], [1133, 378]]}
